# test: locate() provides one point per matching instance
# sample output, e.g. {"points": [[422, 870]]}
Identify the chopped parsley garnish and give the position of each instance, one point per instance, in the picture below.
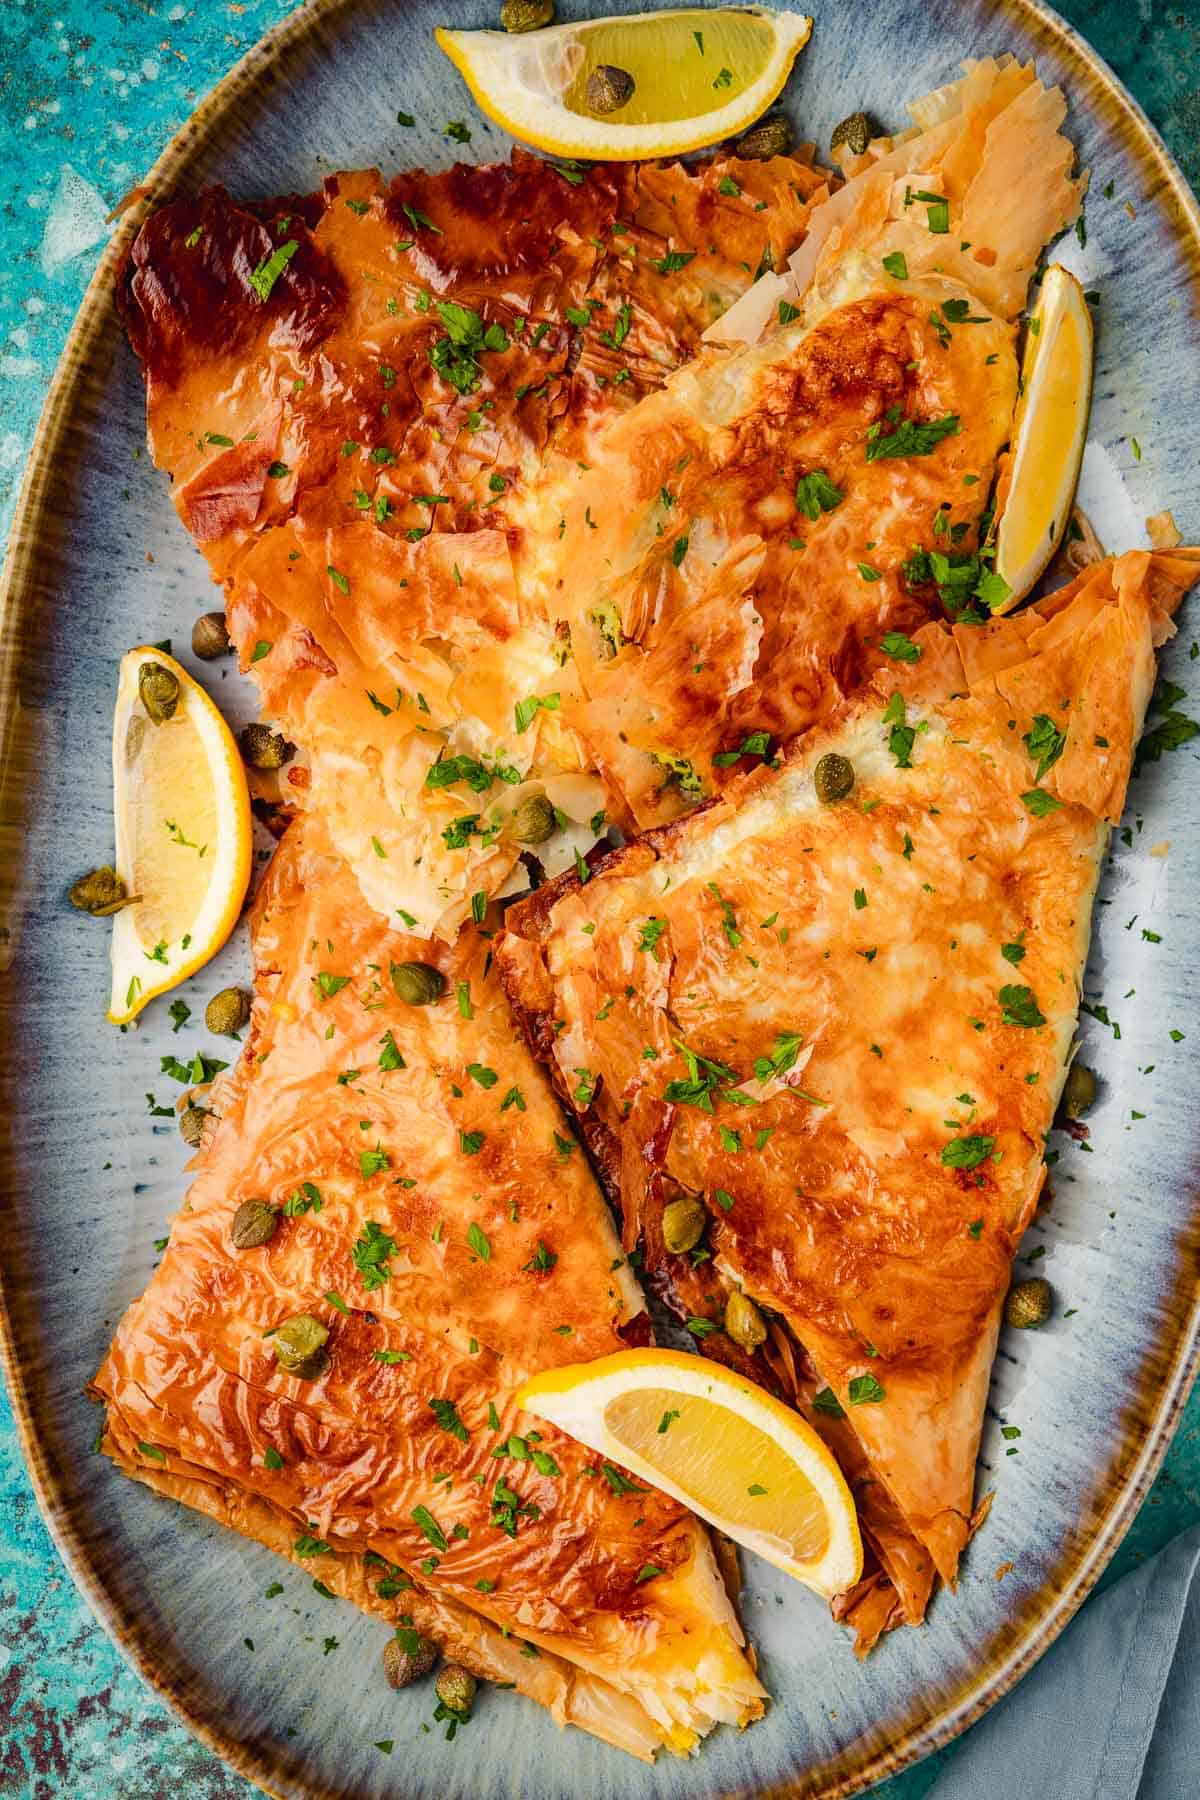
{"points": [[430, 1527], [390, 1057], [329, 985], [967, 1152], [620, 1483], [373, 1162], [525, 710], [1039, 802], [478, 1242], [456, 356], [902, 735], [371, 1252], [910, 437], [1019, 1007], [826, 1401], [264, 277], [755, 743], [1044, 742], [900, 647], [305, 1198], [816, 494], [672, 262], [446, 1414], [864, 1390], [896, 265]]}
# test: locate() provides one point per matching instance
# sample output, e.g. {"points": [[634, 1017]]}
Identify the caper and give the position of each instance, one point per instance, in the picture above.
{"points": [[254, 1224], [210, 637], [456, 1689], [158, 691], [833, 778], [409, 1660], [264, 748], [1029, 1304], [609, 88], [683, 1223], [533, 821], [743, 1321], [192, 1121], [770, 137], [855, 132], [101, 892], [300, 1345], [1079, 1092], [227, 1011], [417, 983], [526, 15]]}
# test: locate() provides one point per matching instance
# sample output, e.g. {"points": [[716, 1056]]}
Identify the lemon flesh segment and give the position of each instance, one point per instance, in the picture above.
{"points": [[699, 77], [1049, 432], [724, 1447], [183, 837]]}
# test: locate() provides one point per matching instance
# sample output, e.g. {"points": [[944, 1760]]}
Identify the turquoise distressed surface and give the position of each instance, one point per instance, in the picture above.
{"points": [[88, 95]]}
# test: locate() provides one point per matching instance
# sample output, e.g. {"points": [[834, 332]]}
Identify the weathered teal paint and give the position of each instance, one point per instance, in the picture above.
{"points": [[88, 95]]}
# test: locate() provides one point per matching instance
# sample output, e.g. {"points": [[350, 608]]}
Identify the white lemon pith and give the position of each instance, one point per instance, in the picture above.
{"points": [[698, 77], [1048, 433], [742, 1460], [183, 836]]}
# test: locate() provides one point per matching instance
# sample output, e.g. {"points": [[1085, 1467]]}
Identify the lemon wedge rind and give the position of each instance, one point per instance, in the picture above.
{"points": [[521, 81], [589, 1401], [193, 880], [1049, 432]]}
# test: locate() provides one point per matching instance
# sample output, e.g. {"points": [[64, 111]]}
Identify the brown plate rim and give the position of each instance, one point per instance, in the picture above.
{"points": [[1152, 1419]]}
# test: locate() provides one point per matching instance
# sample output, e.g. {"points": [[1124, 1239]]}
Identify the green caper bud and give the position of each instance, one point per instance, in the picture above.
{"points": [[408, 1658], [1029, 1304], [1079, 1092], [855, 132], [770, 137], [158, 691], [192, 1121], [210, 637], [254, 1224], [418, 984], [456, 1689], [533, 821], [300, 1346], [743, 1321], [264, 748], [526, 15], [833, 778], [683, 1223], [609, 88], [101, 892], [227, 1011]]}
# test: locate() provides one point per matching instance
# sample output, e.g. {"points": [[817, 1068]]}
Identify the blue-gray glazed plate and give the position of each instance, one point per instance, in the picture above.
{"points": [[98, 562]]}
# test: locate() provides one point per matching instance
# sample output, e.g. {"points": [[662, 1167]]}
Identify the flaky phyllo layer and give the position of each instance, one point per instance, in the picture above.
{"points": [[846, 1026], [439, 1220], [626, 489], [488, 524]]}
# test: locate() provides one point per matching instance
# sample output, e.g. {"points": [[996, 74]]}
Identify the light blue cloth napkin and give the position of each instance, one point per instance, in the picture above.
{"points": [[1112, 1711]]}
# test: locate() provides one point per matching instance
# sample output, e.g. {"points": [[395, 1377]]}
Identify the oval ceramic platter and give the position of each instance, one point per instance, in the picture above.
{"points": [[90, 1178]]}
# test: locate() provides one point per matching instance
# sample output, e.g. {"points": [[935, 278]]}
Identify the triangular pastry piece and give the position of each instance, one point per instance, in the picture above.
{"points": [[845, 1022], [435, 1221]]}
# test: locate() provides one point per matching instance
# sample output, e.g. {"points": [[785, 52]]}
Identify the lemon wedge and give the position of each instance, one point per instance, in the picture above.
{"points": [[1048, 434], [697, 77], [742, 1460], [183, 839]]}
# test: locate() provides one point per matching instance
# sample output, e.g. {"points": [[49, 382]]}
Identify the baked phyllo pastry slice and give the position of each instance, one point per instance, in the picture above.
{"points": [[837, 1007], [389, 1229], [742, 543], [352, 391]]}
